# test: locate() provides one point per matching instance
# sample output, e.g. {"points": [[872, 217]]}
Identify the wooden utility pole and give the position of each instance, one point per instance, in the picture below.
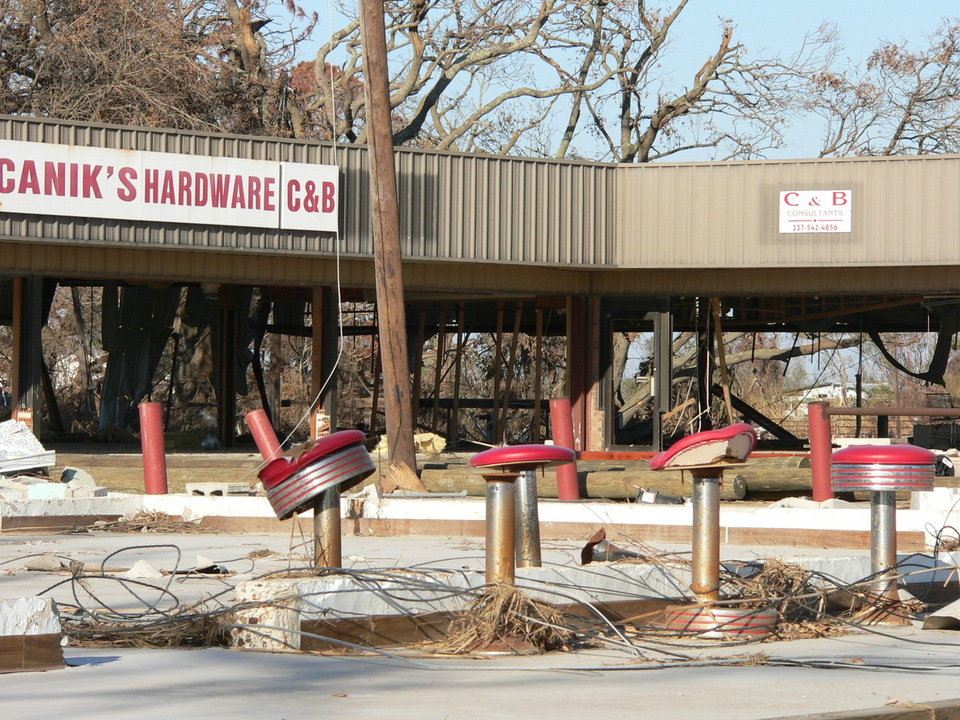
{"points": [[386, 237]]}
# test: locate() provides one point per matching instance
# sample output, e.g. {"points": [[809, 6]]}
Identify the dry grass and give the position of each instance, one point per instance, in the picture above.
{"points": [[148, 522], [504, 618]]}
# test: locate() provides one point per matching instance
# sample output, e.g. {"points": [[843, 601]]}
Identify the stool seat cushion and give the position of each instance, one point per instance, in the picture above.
{"points": [[279, 469], [884, 455], [713, 447], [523, 457]]}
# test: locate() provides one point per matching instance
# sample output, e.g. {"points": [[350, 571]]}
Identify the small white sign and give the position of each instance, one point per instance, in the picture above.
{"points": [[815, 211], [78, 181]]}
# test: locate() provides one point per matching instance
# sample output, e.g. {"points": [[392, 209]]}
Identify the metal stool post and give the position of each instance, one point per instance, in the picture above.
{"points": [[501, 522], [706, 535], [705, 455], [511, 543], [528, 521]]}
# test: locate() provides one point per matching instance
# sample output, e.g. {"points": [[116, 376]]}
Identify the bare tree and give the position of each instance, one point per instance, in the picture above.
{"points": [[561, 78], [200, 64], [905, 102]]}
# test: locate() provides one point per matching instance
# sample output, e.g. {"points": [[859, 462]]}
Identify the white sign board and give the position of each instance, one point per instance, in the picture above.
{"points": [[815, 211], [46, 179]]}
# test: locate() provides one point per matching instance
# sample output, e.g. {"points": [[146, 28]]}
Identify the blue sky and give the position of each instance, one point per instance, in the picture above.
{"points": [[779, 26], [776, 26]]}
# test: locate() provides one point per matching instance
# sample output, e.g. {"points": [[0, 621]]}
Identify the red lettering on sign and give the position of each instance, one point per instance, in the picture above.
{"points": [[127, 191], [201, 189], [791, 199], [239, 199], [184, 188], [293, 203], [55, 178], [220, 187], [839, 197], [29, 182], [253, 189], [269, 193], [6, 185], [151, 186], [328, 197], [91, 181], [167, 195]]}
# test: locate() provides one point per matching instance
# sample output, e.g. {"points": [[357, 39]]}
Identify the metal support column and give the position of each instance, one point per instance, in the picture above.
{"points": [[27, 348], [883, 543], [326, 529], [706, 535], [528, 521], [501, 529]]}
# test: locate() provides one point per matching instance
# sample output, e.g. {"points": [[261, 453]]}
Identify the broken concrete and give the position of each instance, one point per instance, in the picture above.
{"points": [[29, 616]]}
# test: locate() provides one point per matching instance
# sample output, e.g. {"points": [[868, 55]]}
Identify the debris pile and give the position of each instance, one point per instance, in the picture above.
{"points": [[505, 619]]}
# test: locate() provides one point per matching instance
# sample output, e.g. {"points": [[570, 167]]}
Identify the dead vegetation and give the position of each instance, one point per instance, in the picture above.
{"points": [[146, 522], [506, 619]]}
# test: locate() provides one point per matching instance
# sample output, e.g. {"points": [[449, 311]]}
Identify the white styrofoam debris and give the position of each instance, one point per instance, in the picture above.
{"points": [[46, 491], [17, 440], [48, 562], [142, 570], [29, 616]]}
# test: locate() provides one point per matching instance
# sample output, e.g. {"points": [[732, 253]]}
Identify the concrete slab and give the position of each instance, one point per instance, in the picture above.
{"points": [[902, 665], [906, 668]]}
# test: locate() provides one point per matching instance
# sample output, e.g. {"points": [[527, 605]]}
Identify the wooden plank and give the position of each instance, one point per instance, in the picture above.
{"points": [[51, 522], [376, 630], [395, 630], [939, 710], [11, 653], [42, 652], [19, 653]]}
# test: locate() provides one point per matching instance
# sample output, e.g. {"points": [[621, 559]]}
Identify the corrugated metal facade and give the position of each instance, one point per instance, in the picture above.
{"points": [[453, 208], [905, 212], [485, 224]]}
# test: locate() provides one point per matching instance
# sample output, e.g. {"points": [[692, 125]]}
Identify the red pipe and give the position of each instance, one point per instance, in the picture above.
{"points": [[561, 424], [154, 456], [263, 434], [821, 447]]}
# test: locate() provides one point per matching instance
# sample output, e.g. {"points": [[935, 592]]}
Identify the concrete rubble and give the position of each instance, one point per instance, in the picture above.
{"points": [[20, 450], [28, 616]]}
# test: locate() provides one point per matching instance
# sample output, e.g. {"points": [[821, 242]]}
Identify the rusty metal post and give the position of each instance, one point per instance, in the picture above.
{"points": [[706, 535], [154, 453], [528, 521], [501, 524], [561, 422], [883, 543], [821, 446], [326, 529]]}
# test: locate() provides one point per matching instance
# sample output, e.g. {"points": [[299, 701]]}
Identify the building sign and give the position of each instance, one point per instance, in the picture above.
{"points": [[45, 179], [815, 211]]}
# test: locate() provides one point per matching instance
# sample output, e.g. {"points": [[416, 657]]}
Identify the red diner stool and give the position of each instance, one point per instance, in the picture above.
{"points": [[711, 448], [883, 470], [337, 461], [705, 455], [511, 544]]}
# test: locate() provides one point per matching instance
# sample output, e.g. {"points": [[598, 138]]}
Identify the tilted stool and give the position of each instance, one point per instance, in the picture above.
{"points": [[706, 455], [314, 480], [883, 469], [509, 544]]}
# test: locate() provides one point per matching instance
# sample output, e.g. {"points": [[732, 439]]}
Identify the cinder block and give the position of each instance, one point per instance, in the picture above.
{"points": [[46, 491], [84, 491]]}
